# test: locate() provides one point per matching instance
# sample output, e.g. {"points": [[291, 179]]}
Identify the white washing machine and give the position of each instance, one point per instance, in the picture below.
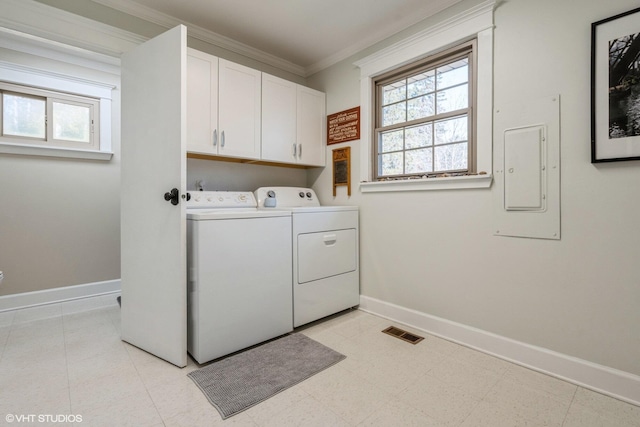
{"points": [[239, 273], [326, 272]]}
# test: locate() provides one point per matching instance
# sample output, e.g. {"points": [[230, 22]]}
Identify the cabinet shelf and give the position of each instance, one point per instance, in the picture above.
{"points": [[193, 155]]}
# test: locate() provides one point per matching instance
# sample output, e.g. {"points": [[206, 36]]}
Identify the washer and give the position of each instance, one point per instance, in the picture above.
{"points": [[326, 272], [239, 273]]}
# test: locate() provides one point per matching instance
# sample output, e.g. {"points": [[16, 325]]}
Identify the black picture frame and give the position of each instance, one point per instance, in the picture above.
{"points": [[615, 64]]}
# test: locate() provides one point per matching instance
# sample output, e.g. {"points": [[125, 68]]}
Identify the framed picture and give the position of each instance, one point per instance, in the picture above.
{"points": [[615, 88]]}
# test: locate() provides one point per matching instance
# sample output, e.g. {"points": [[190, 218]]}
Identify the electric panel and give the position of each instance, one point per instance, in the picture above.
{"points": [[526, 163], [523, 165]]}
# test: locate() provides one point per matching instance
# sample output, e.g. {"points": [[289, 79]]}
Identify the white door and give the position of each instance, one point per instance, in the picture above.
{"points": [[153, 230]]}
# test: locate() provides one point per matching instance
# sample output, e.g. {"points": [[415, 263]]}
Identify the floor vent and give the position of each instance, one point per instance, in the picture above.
{"points": [[403, 335]]}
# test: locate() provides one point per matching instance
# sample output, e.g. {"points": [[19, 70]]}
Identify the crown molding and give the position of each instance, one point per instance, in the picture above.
{"points": [[368, 42], [207, 36], [481, 16], [49, 23], [38, 46]]}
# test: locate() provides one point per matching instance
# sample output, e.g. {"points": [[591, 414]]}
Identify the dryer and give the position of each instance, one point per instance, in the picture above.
{"points": [[325, 242]]}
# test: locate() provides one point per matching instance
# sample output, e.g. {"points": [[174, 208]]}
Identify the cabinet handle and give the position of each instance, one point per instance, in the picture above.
{"points": [[295, 152], [222, 139], [300, 151], [215, 137]]}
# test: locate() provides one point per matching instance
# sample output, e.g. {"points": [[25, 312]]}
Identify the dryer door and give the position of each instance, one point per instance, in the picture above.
{"points": [[326, 254]]}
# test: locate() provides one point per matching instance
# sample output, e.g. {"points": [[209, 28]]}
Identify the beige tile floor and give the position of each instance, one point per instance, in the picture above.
{"points": [[67, 359]]}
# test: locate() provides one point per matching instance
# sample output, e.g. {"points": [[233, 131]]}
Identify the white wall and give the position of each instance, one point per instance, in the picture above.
{"points": [[435, 252], [228, 176], [60, 217]]}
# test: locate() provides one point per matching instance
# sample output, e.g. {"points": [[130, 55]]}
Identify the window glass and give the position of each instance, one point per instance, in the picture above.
{"points": [[23, 116], [71, 122], [421, 84], [452, 99], [394, 93], [451, 157], [451, 130], [419, 136], [395, 113], [453, 74], [391, 141], [418, 161], [421, 107]]}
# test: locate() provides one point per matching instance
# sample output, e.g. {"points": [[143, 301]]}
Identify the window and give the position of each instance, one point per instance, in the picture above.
{"points": [[48, 118], [424, 116], [474, 23]]}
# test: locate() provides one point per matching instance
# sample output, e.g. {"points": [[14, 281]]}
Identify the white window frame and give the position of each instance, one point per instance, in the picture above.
{"points": [[33, 77], [477, 23]]}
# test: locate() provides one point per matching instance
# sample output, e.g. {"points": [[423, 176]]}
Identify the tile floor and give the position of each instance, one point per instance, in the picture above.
{"points": [[67, 359]]}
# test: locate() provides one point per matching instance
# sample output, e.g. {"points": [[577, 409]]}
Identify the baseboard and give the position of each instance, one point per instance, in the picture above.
{"points": [[55, 295], [602, 379]]}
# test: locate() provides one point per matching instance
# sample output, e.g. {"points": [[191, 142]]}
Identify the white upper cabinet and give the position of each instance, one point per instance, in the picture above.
{"points": [[239, 101], [279, 143], [202, 102], [293, 123], [223, 107], [236, 111], [311, 127]]}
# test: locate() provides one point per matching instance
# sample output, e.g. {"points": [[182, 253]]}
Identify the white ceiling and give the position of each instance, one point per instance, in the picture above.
{"points": [[302, 36]]}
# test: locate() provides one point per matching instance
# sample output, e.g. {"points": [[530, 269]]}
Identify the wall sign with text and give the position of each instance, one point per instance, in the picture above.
{"points": [[343, 126]]}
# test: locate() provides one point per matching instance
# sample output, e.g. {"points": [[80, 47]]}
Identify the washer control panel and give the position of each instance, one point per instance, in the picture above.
{"points": [[221, 199], [286, 197]]}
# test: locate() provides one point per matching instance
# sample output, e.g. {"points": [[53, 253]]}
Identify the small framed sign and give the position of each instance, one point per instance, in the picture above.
{"points": [[343, 126], [342, 169]]}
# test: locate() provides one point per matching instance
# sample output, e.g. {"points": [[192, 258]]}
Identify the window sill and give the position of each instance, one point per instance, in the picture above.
{"points": [[428, 184], [39, 150]]}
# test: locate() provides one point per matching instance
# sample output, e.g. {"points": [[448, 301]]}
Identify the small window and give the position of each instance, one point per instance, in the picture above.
{"points": [[424, 117], [48, 118]]}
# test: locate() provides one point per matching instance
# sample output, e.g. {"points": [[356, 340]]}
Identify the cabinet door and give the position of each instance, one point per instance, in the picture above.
{"points": [[202, 102], [278, 119], [239, 110], [311, 127]]}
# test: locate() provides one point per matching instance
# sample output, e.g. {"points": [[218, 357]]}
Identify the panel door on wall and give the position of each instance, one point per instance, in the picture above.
{"points": [[311, 126], [239, 110], [202, 102], [153, 230], [278, 119]]}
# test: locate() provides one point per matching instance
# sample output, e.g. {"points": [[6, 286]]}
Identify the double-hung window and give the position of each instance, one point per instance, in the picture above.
{"points": [[48, 118], [424, 122]]}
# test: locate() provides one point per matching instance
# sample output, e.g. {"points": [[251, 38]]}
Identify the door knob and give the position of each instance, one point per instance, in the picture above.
{"points": [[173, 196]]}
